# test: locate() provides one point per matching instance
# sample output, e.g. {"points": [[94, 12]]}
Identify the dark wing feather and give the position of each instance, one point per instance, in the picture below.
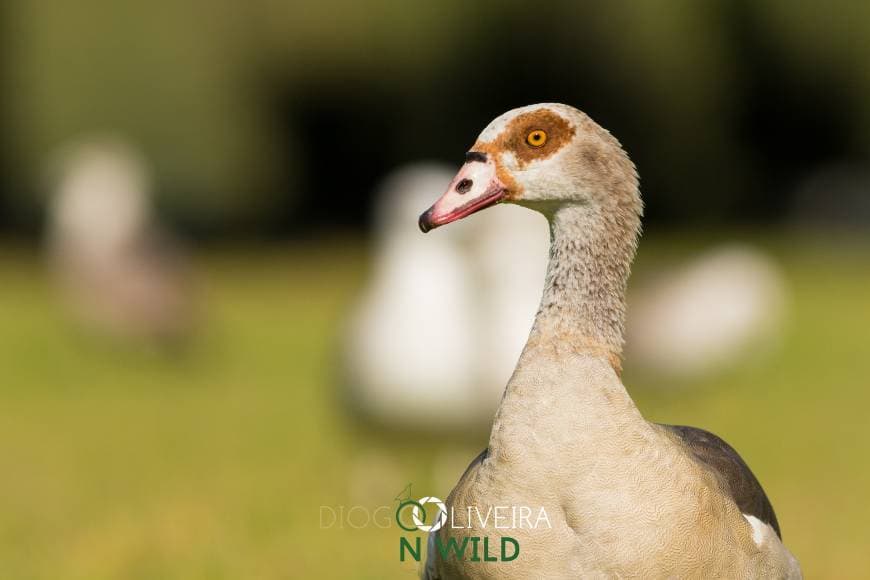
{"points": [[723, 460]]}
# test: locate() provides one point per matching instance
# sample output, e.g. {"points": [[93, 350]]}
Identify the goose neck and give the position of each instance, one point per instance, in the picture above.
{"points": [[582, 309]]}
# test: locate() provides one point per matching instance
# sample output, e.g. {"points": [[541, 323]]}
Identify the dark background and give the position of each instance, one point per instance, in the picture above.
{"points": [[726, 107]]}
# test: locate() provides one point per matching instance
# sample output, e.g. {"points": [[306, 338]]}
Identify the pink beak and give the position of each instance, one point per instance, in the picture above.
{"points": [[474, 188]]}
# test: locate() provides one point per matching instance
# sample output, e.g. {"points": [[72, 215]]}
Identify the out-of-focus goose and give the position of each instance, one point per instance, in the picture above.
{"points": [[707, 314], [119, 273], [508, 247], [404, 367], [625, 497]]}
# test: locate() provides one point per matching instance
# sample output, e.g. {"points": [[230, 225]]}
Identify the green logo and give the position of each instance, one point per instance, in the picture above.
{"points": [[418, 514], [472, 548]]}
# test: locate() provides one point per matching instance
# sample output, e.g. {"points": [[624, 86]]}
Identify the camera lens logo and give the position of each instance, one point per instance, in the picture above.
{"points": [[418, 514]]}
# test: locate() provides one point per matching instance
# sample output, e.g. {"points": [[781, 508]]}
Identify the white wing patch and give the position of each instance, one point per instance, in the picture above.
{"points": [[759, 529]]}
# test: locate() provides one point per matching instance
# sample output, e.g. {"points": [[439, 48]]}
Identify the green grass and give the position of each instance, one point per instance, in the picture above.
{"points": [[117, 463]]}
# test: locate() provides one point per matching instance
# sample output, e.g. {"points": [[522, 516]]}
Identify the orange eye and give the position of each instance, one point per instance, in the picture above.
{"points": [[536, 138]]}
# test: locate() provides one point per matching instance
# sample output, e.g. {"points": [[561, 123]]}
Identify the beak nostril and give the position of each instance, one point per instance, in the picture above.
{"points": [[464, 186]]}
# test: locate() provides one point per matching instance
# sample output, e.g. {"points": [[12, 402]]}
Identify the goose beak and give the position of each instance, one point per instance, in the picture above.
{"points": [[474, 188]]}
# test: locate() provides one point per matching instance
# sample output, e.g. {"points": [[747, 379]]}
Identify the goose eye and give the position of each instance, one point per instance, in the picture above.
{"points": [[536, 138]]}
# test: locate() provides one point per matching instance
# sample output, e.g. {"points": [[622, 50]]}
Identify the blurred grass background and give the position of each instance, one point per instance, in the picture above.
{"points": [[132, 466]]}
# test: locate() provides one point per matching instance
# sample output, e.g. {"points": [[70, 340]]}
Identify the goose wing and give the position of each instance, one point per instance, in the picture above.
{"points": [[722, 459]]}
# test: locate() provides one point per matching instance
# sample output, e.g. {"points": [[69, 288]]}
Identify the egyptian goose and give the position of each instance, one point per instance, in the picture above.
{"points": [[625, 497], [118, 272]]}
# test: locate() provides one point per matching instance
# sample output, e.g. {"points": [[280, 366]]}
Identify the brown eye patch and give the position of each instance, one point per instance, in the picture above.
{"points": [[518, 136], [514, 137]]}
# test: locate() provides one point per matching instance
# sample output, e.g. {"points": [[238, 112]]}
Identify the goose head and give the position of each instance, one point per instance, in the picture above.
{"points": [[544, 157]]}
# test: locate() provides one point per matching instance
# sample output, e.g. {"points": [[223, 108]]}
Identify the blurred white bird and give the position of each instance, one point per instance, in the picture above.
{"points": [[706, 314], [405, 362], [118, 272], [510, 253]]}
